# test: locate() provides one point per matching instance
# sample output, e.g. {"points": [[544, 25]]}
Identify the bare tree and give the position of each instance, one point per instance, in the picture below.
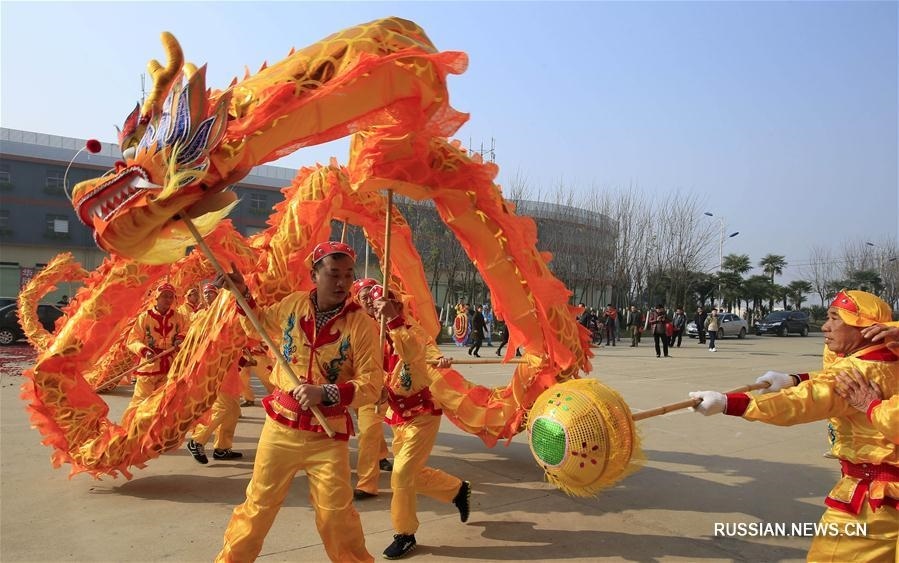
{"points": [[820, 272]]}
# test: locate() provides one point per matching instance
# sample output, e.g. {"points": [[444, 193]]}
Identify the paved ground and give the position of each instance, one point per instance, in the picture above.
{"points": [[700, 471]]}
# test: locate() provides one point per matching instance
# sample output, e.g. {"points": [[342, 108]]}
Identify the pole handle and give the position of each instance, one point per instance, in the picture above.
{"points": [[664, 409]]}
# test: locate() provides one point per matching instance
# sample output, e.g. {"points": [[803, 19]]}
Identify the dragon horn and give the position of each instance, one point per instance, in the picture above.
{"points": [[163, 76]]}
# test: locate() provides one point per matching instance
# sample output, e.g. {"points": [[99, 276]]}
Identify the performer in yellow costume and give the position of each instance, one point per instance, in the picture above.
{"points": [[372, 448], [155, 330], [415, 420], [333, 345], [224, 414], [191, 304], [868, 492], [255, 361]]}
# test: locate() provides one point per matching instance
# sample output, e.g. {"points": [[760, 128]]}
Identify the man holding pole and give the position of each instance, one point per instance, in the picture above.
{"points": [[415, 420], [333, 346], [224, 415], [867, 495], [155, 335], [372, 448]]}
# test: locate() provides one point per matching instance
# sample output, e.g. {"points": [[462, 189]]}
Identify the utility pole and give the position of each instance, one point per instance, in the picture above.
{"points": [[721, 223], [488, 155]]}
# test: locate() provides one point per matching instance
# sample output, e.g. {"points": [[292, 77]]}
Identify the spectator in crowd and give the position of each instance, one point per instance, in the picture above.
{"points": [[658, 322], [679, 324], [610, 324], [699, 320], [634, 324], [711, 326]]}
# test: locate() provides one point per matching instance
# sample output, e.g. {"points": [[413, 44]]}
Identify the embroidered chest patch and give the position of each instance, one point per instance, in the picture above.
{"points": [[288, 347], [334, 365]]}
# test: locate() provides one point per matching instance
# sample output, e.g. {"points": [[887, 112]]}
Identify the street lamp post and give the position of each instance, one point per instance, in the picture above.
{"points": [[721, 223]]}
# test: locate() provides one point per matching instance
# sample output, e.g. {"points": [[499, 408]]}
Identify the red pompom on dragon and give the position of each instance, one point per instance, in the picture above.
{"points": [[382, 83]]}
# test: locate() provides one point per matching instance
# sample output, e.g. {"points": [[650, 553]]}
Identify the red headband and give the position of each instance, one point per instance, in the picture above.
{"points": [[166, 287], [323, 249], [361, 284]]}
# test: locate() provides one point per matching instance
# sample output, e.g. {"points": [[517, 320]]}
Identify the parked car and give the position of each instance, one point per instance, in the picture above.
{"points": [[11, 330], [729, 324], [4, 301], [783, 323]]}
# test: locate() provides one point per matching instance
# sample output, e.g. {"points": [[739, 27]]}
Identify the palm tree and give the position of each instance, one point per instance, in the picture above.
{"points": [[797, 290], [757, 289], [737, 264], [773, 265]]}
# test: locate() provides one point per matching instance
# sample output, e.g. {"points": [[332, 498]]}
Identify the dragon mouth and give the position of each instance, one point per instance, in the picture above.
{"points": [[114, 194]]}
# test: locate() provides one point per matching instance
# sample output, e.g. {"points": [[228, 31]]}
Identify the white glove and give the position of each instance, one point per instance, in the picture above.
{"points": [[713, 402], [776, 381]]}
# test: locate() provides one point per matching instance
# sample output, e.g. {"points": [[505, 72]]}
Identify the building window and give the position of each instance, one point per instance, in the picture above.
{"points": [[5, 176], [54, 183], [258, 202], [4, 222], [57, 226]]}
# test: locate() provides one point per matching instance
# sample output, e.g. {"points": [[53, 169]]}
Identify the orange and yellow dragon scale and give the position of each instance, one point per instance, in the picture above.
{"points": [[385, 84]]}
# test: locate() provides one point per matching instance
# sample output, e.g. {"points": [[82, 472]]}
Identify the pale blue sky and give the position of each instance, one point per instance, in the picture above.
{"points": [[781, 117]]}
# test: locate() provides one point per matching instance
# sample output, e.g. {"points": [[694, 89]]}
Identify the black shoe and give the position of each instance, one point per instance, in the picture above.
{"points": [[469, 351], [198, 451], [359, 494], [476, 355], [226, 454], [498, 353], [401, 546], [462, 500], [385, 465]]}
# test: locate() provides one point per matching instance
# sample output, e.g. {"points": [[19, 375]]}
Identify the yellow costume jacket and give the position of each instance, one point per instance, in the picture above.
{"points": [[189, 310], [154, 332], [344, 352], [408, 373], [884, 415], [870, 460]]}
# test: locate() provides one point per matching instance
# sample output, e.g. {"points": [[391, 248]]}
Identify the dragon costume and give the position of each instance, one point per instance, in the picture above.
{"points": [[384, 84]]}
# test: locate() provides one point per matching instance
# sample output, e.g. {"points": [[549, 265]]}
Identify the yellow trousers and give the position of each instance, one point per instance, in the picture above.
{"points": [[225, 412], [143, 388], [412, 445], [246, 390], [281, 453], [372, 448], [878, 545]]}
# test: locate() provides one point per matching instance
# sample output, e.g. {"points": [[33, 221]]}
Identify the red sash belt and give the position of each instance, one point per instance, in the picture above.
{"points": [[866, 473], [870, 471], [283, 408], [405, 408]]}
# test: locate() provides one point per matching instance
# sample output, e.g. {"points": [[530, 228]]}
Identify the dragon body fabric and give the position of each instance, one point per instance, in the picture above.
{"points": [[384, 84]]}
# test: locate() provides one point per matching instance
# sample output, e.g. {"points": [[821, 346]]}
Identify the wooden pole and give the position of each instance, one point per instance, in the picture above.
{"points": [[148, 361], [691, 402], [386, 275], [479, 361], [251, 315]]}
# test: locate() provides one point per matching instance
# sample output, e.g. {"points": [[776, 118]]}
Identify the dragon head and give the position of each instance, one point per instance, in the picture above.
{"points": [[165, 173]]}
